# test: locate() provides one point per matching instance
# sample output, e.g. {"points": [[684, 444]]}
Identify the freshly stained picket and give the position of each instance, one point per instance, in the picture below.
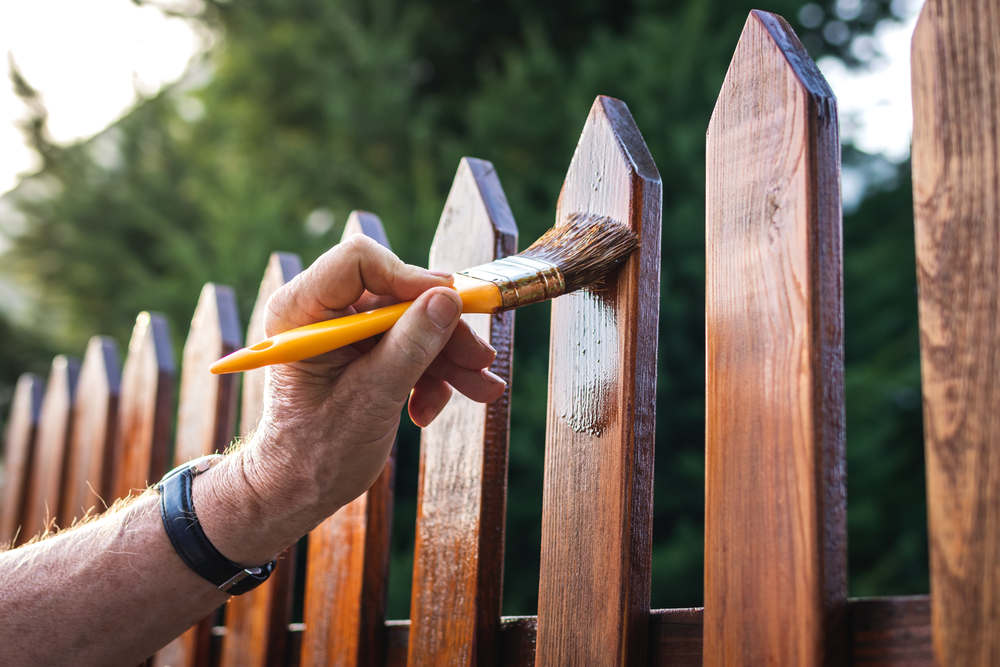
{"points": [[49, 467], [206, 420], [91, 442], [256, 622], [142, 441], [348, 557], [597, 499], [19, 450], [462, 488], [956, 201], [775, 533]]}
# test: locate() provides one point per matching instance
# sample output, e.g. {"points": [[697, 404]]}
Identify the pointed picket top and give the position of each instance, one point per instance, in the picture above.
{"points": [[461, 496], [363, 222], [281, 267], [256, 622], [19, 450], [348, 556], [597, 496], [770, 54], [475, 211], [774, 540], [145, 408], [207, 404], [54, 424], [95, 413]]}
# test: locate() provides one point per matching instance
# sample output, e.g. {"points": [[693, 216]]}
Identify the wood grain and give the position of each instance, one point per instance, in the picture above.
{"points": [[256, 621], [348, 557], [598, 490], [19, 453], [956, 201], [91, 442], [206, 420], [142, 442], [775, 530], [462, 487], [891, 632], [48, 470]]}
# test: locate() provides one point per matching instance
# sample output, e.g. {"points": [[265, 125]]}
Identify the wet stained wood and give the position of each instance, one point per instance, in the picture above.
{"points": [[462, 487], [598, 492], [19, 450], [256, 621], [145, 408], [775, 530], [91, 442], [956, 201], [206, 420], [348, 557], [48, 470]]}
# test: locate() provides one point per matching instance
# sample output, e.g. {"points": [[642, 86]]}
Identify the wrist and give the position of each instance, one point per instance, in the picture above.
{"points": [[248, 511]]}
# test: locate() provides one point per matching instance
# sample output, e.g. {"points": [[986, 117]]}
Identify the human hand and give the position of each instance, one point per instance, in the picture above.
{"points": [[329, 422]]}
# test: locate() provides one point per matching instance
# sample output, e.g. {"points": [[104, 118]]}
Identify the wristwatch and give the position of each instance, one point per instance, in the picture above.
{"points": [[189, 540]]}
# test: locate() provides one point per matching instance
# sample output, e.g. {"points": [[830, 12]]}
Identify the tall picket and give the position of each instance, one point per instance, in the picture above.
{"points": [[95, 413], [49, 467], [956, 201], [775, 516], [257, 622], [597, 503], [206, 420], [142, 440], [462, 489], [348, 557], [19, 453]]}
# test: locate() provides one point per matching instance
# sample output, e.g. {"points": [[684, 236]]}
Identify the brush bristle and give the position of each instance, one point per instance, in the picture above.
{"points": [[586, 249]]}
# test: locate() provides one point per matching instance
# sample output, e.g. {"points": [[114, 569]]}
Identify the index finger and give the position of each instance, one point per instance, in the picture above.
{"points": [[339, 277]]}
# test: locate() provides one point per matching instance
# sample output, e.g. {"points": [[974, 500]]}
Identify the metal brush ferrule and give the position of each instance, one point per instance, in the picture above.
{"points": [[521, 280]]}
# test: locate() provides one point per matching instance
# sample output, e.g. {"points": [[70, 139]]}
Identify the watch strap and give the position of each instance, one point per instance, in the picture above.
{"points": [[190, 542]]}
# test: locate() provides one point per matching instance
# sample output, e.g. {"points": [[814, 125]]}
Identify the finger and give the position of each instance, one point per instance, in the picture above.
{"points": [[339, 277], [467, 349], [479, 384], [395, 364], [428, 398]]}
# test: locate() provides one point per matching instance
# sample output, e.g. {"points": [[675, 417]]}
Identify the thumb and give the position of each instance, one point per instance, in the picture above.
{"points": [[398, 360]]}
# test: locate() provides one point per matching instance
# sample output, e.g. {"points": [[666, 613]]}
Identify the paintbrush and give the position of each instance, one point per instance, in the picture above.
{"points": [[577, 254]]}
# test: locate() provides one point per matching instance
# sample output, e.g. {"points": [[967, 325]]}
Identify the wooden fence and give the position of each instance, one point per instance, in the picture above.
{"points": [[775, 518]]}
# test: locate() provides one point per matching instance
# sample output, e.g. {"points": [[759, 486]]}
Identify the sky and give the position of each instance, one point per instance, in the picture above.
{"points": [[91, 61]]}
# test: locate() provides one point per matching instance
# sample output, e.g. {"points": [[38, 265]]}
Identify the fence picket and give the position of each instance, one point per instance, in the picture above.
{"points": [[775, 529], [256, 622], [348, 557], [956, 169], [598, 492], [206, 420], [19, 454], [49, 467], [142, 441], [95, 412], [462, 488]]}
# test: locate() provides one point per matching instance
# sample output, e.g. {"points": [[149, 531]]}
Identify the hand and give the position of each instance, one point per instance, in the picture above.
{"points": [[329, 422]]}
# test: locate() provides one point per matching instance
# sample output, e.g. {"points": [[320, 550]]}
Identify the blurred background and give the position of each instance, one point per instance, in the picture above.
{"points": [[149, 147]]}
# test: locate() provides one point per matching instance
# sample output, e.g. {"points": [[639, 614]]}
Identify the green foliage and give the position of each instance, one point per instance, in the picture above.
{"points": [[325, 107]]}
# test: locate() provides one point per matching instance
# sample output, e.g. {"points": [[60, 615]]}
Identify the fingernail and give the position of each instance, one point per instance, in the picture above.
{"points": [[442, 310], [490, 375], [444, 275]]}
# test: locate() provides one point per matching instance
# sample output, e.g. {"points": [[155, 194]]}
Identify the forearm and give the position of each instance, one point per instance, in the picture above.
{"points": [[113, 590]]}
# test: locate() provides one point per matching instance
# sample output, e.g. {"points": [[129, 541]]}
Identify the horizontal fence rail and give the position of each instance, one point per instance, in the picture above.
{"points": [[775, 554]]}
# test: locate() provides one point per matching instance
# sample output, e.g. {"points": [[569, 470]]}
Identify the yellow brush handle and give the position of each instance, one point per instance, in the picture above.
{"points": [[319, 337]]}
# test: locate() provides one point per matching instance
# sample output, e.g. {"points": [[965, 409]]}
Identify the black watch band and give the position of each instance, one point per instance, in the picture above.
{"points": [[190, 541]]}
